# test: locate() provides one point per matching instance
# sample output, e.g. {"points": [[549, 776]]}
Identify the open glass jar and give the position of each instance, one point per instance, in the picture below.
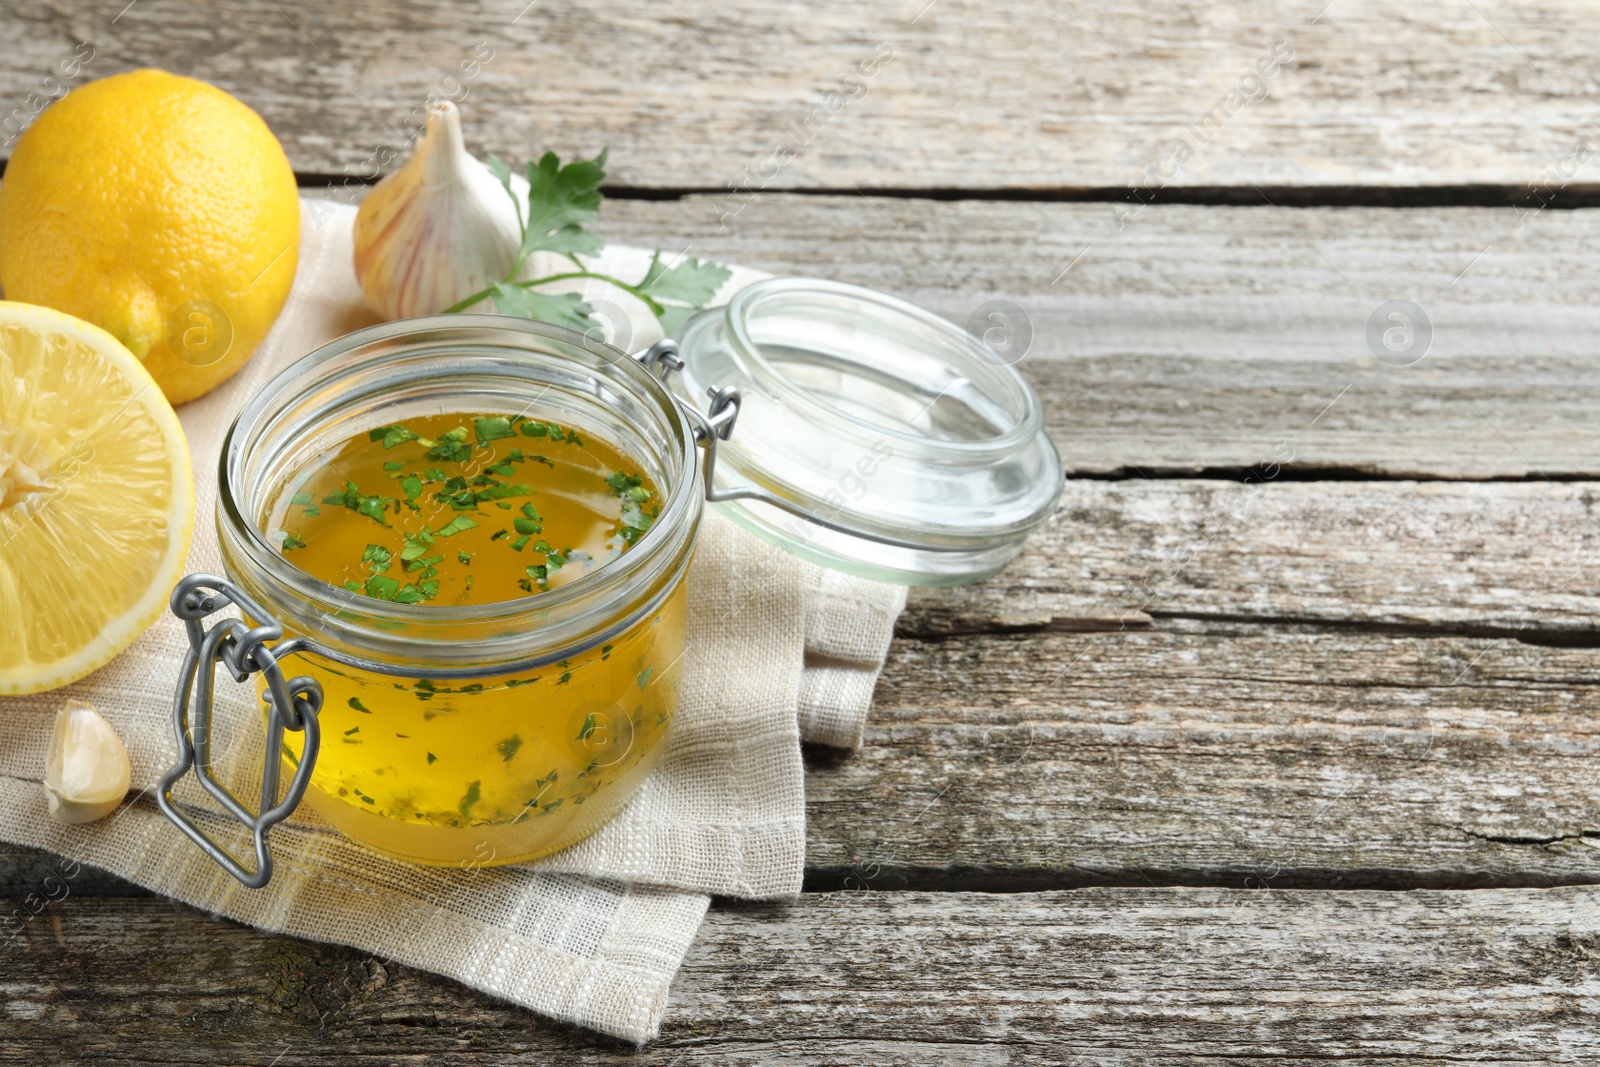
{"points": [[496, 732]]}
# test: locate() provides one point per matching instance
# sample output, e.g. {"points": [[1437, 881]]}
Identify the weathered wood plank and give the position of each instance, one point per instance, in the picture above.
{"points": [[1197, 338], [1216, 755], [1031, 95], [1517, 558], [1107, 976]]}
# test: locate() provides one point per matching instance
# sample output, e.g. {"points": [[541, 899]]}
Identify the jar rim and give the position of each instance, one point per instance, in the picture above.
{"points": [[957, 345], [321, 370]]}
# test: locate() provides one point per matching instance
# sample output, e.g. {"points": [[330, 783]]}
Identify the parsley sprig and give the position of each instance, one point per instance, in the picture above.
{"points": [[561, 201]]}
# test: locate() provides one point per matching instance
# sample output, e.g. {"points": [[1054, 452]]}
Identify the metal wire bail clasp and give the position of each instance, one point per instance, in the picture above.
{"points": [[292, 705], [710, 426]]}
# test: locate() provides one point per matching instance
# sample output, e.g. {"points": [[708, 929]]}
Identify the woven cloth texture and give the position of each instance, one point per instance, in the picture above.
{"points": [[779, 650]]}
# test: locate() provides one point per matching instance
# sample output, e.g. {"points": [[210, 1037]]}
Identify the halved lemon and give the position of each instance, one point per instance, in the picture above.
{"points": [[96, 498]]}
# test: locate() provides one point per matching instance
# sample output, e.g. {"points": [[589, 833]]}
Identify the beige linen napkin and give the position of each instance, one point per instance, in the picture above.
{"points": [[779, 651]]}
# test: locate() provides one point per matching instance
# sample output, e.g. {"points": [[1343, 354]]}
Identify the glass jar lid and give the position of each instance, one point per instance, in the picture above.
{"points": [[914, 453]]}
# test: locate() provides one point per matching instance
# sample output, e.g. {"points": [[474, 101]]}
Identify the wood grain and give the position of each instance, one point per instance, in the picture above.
{"points": [[1033, 95], [1198, 338], [1216, 754], [1099, 976], [1511, 558]]}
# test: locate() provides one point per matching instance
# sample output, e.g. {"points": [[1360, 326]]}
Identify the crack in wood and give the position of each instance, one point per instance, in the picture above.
{"points": [[1571, 198], [1143, 622], [1530, 635], [1290, 472], [1020, 880], [1514, 839]]}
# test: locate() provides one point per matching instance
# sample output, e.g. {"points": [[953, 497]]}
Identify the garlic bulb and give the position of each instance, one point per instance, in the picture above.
{"points": [[86, 771], [438, 229]]}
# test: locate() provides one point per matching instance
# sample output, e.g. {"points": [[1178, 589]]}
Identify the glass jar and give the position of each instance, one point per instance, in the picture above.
{"points": [[877, 439], [875, 436], [488, 733]]}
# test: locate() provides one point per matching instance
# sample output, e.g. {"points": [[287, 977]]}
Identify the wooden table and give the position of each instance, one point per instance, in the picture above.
{"points": [[1276, 744]]}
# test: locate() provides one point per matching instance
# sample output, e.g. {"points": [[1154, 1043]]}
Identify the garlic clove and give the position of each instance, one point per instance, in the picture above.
{"points": [[438, 229], [86, 772]]}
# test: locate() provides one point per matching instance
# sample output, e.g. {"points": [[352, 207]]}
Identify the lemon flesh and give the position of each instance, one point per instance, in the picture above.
{"points": [[96, 498]]}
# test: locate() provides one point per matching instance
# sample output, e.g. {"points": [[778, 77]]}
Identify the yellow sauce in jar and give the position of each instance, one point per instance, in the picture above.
{"points": [[463, 509]]}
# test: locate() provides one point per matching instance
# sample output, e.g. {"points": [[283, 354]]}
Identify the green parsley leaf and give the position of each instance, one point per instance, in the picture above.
{"points": [[566, 309], [560, 200], [508, 747], [452, 447], [690, 281], [634, 522], [372, 508], [391, 435], [382, 587], [455, 526], [492, 428], [620, 482], [497, 492], [355, 702], [416, 545], [471, 797], [377, 558]]}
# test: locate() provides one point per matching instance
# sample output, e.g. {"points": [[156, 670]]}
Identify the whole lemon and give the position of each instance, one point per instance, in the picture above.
{"points": [[160, 209]]}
